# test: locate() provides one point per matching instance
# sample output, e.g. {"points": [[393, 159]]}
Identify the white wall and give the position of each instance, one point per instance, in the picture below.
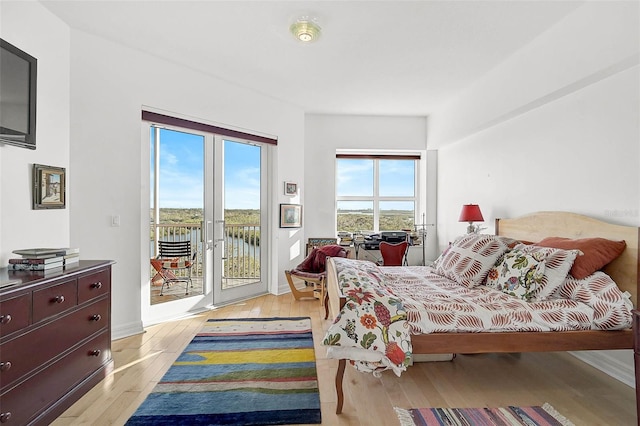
{"points": [[110, 84], [324, 134], [21, 227], [90, 94], [556, 127]]}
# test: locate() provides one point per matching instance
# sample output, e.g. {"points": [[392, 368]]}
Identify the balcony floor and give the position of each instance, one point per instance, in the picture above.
{"points": [[176, 291]]}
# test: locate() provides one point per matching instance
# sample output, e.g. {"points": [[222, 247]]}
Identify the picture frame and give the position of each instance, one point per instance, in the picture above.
{"points": [[290, 215], [49, 187], [290, 188]]}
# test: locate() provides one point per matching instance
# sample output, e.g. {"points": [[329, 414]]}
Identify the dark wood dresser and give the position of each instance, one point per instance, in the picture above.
{"points": [[55, 339], [636, 357]]}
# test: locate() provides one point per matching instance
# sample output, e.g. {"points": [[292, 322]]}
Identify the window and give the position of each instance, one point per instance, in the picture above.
{"points": [[376, 193]]}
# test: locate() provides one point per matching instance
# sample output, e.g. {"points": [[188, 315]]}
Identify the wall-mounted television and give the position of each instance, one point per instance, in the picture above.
{"points": [[18, 79]]}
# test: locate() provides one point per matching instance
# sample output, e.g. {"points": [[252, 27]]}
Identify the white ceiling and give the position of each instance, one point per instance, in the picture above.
{"points": [[374, 57]]}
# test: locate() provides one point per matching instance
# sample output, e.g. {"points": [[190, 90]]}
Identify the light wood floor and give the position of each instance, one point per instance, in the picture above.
{"points": [[580, 392]]}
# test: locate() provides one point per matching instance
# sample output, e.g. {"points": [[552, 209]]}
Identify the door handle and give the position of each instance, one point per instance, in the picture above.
{"points": [[220, 240], [207, 234]]}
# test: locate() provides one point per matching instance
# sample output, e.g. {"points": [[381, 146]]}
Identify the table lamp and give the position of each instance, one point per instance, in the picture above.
{"points": [[471, 213]]}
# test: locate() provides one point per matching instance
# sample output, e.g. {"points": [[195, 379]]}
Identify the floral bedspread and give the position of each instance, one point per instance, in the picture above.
{"points": [[371, 330], [385, 305]]}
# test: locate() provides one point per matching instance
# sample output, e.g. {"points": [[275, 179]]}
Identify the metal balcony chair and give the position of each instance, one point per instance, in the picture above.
{"points": [[176, 261], [394, 254]]}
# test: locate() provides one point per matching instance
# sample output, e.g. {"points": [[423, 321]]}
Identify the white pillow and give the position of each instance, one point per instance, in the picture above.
{"points": [[469, 258]]}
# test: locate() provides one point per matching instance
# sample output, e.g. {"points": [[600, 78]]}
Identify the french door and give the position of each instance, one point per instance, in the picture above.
{"points": [[211, 191], [238, 217]]}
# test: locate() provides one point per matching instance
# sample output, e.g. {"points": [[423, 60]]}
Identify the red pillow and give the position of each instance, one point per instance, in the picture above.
{"points": [[597, 253]]}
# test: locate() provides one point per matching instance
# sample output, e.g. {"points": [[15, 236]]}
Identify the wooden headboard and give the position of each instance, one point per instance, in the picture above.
{"points": [[536, 226]]}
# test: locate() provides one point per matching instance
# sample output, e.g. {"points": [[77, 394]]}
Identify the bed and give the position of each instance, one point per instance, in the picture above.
{"points": [[624, 270]]}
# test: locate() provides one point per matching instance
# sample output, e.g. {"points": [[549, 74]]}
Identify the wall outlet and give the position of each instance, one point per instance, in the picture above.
{"points": [[115, 220]]}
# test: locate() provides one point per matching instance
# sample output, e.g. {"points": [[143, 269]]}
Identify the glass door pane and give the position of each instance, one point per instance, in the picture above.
{"points": [[177, 208], [239, 203]]}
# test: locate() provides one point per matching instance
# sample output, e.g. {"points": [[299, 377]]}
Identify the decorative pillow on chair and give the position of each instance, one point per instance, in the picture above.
{"points": [[469, 258], [597, 253], [308, 264], [517, 274], [332, 250], [557, 262], [315, 261]]}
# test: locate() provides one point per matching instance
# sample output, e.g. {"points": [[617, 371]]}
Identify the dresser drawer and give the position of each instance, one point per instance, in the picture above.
{"points": [[29, 351], [15, 314], [94, 285], [55, 299], [49, 385]]}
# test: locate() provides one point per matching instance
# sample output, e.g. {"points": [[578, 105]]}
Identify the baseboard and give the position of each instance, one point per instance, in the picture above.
{"points": [[126, 330], [609, 365]]}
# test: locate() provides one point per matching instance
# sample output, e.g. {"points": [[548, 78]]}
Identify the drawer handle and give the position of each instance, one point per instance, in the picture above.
{"points": [[96, 285], [5, 366], [5, 319], [95, 352], [58, 299], [96, 317], [4, 417]]}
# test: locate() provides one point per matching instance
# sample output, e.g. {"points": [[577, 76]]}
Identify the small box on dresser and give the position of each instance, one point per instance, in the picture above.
{"points": [[55, 339]]}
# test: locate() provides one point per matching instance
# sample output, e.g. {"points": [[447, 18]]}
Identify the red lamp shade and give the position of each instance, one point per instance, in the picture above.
{"points": [[471, 213]]}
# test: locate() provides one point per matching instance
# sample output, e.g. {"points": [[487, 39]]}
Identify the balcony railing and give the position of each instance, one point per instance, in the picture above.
{"points": [[241, 258]]}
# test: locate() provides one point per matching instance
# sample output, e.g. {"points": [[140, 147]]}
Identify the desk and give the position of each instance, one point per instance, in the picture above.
{"points": [[415, 255]]}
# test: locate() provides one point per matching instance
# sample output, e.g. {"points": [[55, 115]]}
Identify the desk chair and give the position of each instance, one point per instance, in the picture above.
{"points": [[394, 254], [175, 256]]}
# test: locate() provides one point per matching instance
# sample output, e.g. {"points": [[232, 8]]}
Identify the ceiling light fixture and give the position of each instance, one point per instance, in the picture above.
{"points": [[305, 29]]}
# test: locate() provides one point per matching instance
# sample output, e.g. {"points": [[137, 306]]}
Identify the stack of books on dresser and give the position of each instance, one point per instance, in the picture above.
{"points": [[44, 259]]}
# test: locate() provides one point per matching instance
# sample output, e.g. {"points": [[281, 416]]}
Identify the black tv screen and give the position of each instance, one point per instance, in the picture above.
{"points": [[18, 78]]}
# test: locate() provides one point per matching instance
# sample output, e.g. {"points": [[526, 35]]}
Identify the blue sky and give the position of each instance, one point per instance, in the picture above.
{"points": [[181, 172], [355, 178], [182, 183]]}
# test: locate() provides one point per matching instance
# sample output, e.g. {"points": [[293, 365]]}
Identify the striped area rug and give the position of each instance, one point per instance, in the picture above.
{"points": [[545, 415], [258, 371]]}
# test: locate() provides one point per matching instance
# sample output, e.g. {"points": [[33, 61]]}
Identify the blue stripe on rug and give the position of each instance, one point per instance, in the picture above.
{"points": [[237, 393], [248, 419], [205, 373], [225, 402]]}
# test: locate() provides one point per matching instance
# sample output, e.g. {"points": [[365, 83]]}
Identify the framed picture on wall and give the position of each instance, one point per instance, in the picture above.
{"points": [[290, 188], [49, 186], [290, 215]]}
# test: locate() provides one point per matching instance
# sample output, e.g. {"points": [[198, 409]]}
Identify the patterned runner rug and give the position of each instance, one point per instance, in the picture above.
{"points": [[508, 416], [258, 371]]}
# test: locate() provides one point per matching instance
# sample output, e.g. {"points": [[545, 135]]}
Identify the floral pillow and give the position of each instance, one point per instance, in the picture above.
{"points": [[469, 258], [557, 262], [517, 274]]}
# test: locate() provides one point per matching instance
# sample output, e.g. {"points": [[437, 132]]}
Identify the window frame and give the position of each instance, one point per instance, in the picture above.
{"points": [[376, 198]]}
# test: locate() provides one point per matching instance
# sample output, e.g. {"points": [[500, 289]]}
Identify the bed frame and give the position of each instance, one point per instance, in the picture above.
{"points": [[625, 271]]}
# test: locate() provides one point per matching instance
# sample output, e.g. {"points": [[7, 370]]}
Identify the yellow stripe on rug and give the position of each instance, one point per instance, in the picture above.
{"points": [[252, 356]]}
